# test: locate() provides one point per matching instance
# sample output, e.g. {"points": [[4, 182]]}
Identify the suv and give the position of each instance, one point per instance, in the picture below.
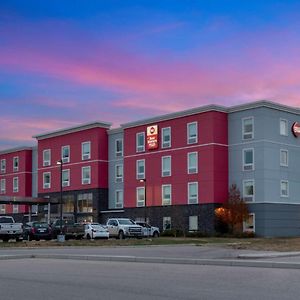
{"points": [[122, 228], [149, 230]]}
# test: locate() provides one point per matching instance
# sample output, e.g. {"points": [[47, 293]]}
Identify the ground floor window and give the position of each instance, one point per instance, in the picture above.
{"points": [[85, 219], [85, 203], [193, 223], [2, 209], [166, 223], [15, 208], [68, 204], [249, 223]]}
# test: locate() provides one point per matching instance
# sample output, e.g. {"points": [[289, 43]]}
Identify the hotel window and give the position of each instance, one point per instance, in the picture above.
{"points": [[140, 169], [249, 223], [119, 173], [46, 157], [193, 223], [248, 159], [283, 127], [86, 150], [166, 194], [140, 196], [284, 188], [85, 203], [248, 190], [284, 158], [166, 137], [166, 223], [166, 166], [192, 133], [3, 186], [15, 184], [119, 199], [192, 192], [248, 128], [15, 208], [65, 154], [66, 177], [3, 165], [16, 163], [192, 162], [68, 204], [119, 148], [46, 180], [2, 209], [86, 175], [140, 142]]}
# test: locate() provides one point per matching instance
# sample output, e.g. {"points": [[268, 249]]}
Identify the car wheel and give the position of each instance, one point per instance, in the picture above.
{"points": [[5, 239], [18, 239], [121, 235], [88, 236], [155, 234]]}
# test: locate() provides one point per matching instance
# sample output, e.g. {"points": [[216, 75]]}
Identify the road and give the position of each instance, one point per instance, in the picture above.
{"points": [[35, 279]]}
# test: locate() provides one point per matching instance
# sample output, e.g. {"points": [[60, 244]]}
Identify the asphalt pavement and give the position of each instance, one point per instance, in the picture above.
{"points": [[175, 254]]}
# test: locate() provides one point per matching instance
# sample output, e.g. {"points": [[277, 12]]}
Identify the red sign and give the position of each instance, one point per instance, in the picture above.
{"points": [[152, 137], [296, 129]]}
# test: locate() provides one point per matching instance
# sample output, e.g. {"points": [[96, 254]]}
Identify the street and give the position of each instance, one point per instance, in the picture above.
{"points": [[34, 279]]}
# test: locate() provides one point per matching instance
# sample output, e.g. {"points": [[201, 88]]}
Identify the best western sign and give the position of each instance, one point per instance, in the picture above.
{"points": [[152, 137], [296, 129]]}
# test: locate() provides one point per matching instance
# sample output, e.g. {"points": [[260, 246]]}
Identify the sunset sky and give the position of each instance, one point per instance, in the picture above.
{"points": [[63, 63]]}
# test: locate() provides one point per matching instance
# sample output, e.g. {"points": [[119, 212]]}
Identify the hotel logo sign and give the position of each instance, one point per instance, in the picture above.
{"points": [[152, 137], [296, 129]]}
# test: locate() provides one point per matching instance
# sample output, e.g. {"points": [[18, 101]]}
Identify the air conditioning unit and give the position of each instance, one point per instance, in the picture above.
{"points": [[46, 163], [85, 156], [86, 181], [65, 183], [119, 179], [65, 159], [46, 185], [119, 205]]}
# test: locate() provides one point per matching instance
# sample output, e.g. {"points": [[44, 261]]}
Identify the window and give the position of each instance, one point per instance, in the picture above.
{"points": [[284, 188], [119, 148], [86, 150], [46, 157], [283, 127], [119, 173], [249, 223], [16, 163], [15, 184], [192, 133], [166, 223], [248, 190], [47, 180], [140, 169], [86, 175], [140, 142], [65, 154], [3, 186], [85, 203], [193, 223], [3, 165], [166, 194], [2, 209], [284, 158], [248, 159], [166, 137], [15, 208], [193, 192], [66, 178], [192, 162], [119, 199], [140, 196], [166, 166], [248, 128], [68, 204]]}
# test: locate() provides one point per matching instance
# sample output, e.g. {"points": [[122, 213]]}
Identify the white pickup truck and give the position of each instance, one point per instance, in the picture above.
{"points": [[121, 228], [9, 229]]}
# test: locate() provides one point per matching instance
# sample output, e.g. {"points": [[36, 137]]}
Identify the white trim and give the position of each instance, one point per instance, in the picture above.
{"points": [[136, 142], [46, 162], [68, 158], [88, 154], [116, 173], [16, 169], [162, 137], [188, 163], [188, 133], [3, 170], [243, 128], [66, 183], [140, 188], [16, 189], [197, 199], [162, 166], [3, 182], [244, 165], [88, 180], [287, 191], [162, 194], [244, 196], [287, 127], [122, 150], [48, 184], [264, 141], [122, 204], [287, 157], [16, 173], [140, 175]]}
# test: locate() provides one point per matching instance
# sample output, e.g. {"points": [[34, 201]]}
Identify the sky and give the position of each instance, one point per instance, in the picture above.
{"points": [[64, 63]]}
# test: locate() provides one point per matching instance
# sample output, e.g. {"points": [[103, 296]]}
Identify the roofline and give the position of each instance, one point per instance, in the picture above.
{"points": [[73, 129], [214, 107], [115, 130], [17, 149]]}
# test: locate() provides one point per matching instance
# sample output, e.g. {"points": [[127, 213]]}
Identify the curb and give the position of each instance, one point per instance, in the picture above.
{"points": [[268, 255], [161, 260]]}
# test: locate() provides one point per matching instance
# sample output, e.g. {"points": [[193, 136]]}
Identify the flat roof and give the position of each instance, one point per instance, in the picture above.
{"points": [[72, 129], [17, 149]]}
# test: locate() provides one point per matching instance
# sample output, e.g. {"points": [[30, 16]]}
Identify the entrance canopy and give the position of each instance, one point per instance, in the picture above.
{"points": [[26, 200]]}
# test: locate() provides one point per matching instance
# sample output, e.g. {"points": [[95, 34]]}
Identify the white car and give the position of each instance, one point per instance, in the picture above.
{"points": [[149, 230], [95, 231]]}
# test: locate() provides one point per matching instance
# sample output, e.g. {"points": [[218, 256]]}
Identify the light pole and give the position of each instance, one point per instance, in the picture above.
{"points": [[61, 238]]}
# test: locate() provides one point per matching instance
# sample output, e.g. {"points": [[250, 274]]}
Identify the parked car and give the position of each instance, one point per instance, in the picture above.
{"points": [[70, 229], [37, 231], [149, 230], [9, 229], [122, 227], [95, 231]]}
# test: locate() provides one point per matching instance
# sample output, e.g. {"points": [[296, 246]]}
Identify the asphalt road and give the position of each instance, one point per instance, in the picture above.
{"points": [[36, 279]]}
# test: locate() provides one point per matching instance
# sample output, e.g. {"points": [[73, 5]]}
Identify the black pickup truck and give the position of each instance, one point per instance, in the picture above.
{"points": [[70, 229]]}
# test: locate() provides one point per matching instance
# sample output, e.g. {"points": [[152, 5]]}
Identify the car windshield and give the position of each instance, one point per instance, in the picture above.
{"points": [[126, 222], [97, 227], [40, 225], [6, 220]]}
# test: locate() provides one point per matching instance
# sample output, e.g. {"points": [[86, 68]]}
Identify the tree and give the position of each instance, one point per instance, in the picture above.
{"points": [[234, 212]]}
